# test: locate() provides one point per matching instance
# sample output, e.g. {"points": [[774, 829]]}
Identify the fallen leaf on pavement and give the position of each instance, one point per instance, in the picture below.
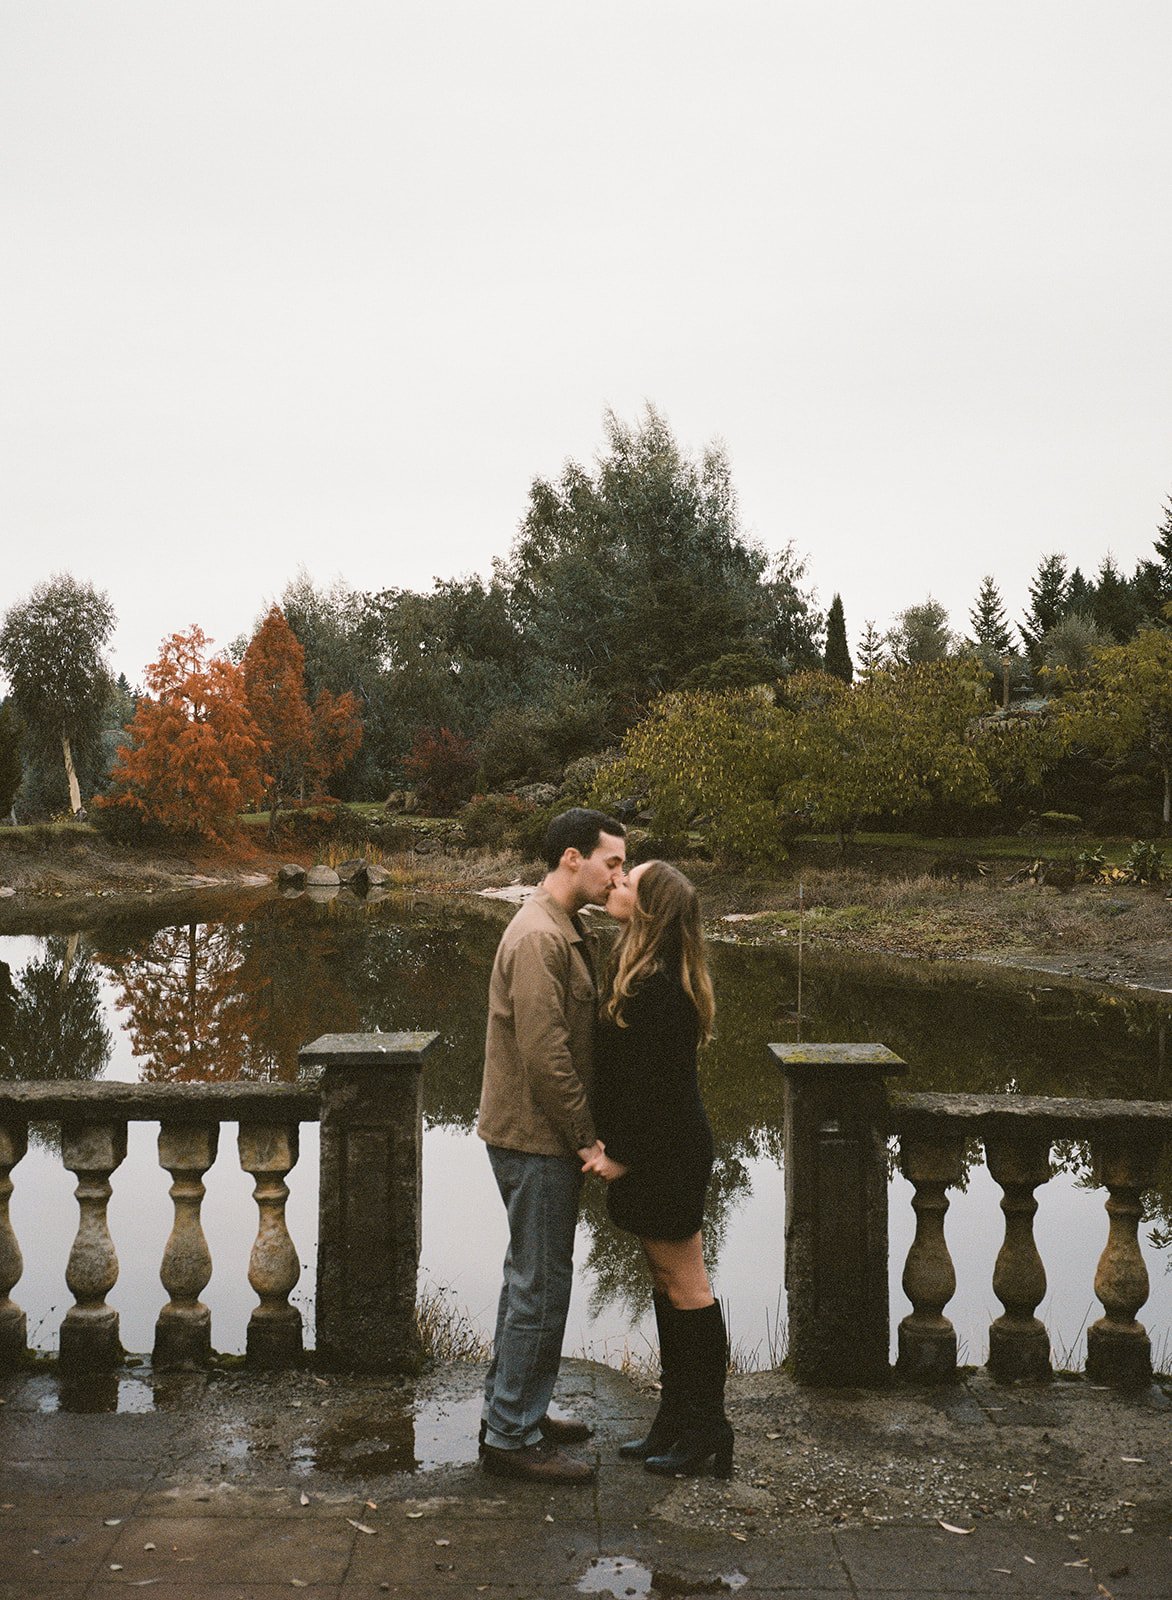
{"points": [[951, 1527], [361, 1526]]}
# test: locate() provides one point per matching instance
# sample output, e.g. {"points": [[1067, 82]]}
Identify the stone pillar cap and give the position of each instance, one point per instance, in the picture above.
{"points": [[366, 1049], [865, 1057]]}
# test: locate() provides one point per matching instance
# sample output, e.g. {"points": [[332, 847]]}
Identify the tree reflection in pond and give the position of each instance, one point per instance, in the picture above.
{"points": [[51, 1018]]}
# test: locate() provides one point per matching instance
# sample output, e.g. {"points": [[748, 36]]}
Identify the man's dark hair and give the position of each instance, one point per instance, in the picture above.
{"points": [[578, 829]]}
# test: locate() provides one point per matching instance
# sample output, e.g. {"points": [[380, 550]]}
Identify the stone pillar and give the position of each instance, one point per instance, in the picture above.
{"points": [[1118, 1348], [1019, 1346], [92, 1151], [183, 1329], [13, 1325], [269, 1152], [836, 1210], [370, 1198]]}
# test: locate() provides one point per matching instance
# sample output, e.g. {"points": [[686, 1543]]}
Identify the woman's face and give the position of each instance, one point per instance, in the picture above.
{"points": [[621, 899]]}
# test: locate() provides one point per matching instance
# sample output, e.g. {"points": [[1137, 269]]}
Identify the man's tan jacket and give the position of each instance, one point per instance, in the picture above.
{"points": [[538, 1054]]}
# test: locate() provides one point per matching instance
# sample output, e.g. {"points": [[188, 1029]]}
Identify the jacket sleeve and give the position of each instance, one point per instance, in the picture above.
{"points": [[543, 972]]}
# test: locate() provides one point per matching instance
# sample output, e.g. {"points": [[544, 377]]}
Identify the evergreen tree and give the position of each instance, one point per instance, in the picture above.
{"points": [[872, 651], [1164, 539], [1080, 595], [1152, 584], [1049, 602], [838, 656], [989, 623], [1114, 608]]}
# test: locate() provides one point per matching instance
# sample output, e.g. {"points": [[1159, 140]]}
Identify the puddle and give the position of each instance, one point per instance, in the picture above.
{"points": [[615, 1575], [623, 1576], [433, 1433], [121, 1392]]}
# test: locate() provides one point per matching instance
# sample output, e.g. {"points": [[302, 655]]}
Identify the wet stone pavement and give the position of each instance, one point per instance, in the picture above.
{"points": [[239, 1487]]}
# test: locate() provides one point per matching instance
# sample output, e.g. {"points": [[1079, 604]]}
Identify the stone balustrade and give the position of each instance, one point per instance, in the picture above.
{"points": [[839, 1118], [369, 1102]]}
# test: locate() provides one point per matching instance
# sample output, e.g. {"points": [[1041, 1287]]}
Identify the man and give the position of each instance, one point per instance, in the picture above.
{"points": [[535, 1118]]}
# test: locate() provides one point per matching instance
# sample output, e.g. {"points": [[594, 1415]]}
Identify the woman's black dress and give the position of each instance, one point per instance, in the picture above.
{"points": [[649, 1115]]}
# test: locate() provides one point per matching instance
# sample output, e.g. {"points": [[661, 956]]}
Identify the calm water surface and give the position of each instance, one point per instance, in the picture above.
{"points": [[234, 995]]}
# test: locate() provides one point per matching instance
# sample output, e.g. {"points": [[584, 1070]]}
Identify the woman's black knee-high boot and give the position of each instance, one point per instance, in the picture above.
{"points": [[702, 1351], [668, 1419]]}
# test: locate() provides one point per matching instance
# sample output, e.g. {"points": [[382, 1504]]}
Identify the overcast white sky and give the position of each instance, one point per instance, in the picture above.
{"points": [[290, 284]]}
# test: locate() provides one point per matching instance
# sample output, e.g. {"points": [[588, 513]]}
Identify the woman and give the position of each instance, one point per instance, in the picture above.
{"points": [[658, 1153]]}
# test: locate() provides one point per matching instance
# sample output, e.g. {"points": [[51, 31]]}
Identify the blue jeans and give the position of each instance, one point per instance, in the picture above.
{"points": [[541, 1196]]}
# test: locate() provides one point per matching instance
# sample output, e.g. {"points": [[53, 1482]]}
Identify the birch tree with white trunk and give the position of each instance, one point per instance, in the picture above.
{"points": [[51, 652]]}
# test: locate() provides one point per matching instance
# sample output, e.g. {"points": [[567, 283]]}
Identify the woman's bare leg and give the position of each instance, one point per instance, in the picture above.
{"points": [[678, 1271]]}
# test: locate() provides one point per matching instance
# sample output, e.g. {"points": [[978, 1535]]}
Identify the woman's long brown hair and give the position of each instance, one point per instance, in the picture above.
{"points": [[664, 933]]}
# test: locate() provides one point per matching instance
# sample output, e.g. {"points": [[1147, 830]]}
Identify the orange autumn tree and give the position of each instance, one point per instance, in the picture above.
{"points": [[274, 680], [195, 755], [304, 745], [337, 734]]}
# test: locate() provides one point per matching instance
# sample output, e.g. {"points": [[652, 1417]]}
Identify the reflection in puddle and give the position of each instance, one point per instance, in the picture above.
{"points": [[621, 1576], [615, 1575], [132, 1393], [411, 1437]]}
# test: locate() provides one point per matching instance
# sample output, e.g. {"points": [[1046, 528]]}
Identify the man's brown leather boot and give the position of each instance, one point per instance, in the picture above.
{"points": [[538, 1463]]}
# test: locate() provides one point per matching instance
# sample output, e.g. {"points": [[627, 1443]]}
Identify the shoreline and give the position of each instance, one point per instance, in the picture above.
{"points": [[1113, 937]]}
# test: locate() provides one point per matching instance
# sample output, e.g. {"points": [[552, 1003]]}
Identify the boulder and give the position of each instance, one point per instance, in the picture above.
{"points": [[290, 875], [322, 878], [376, 877], [348, 871]]}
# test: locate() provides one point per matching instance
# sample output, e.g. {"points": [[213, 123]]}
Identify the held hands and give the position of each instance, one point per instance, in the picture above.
{"points": [[596, 1161]]}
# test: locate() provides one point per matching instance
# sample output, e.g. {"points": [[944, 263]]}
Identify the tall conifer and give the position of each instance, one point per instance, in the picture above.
{"points": [[838, 656], [989, 623]]}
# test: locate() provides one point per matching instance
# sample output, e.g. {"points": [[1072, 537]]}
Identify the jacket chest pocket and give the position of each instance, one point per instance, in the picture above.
{"points": [[581, 988]]}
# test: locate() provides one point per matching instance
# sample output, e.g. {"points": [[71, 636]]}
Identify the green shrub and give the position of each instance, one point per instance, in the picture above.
{"points": [[1089, 864], [1144, 862], [494, 820]]}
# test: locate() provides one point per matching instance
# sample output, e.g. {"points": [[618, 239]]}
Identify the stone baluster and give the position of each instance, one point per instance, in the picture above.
{"points": [[370, 1191], [92, 1151], [13, 1327], [269, 1152], [183, 1331], [1118, 1348], [836, 1266], [1019, 1346], [927, 1339]]}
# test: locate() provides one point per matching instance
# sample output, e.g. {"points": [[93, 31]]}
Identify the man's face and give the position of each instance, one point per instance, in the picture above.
{"points": [[601, 869]]}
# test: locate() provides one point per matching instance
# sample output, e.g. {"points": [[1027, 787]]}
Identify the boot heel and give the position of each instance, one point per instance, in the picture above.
{"points": [[722, 1461]]}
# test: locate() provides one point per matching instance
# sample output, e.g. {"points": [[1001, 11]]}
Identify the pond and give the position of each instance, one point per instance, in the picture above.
{"points": [[234, 990]]}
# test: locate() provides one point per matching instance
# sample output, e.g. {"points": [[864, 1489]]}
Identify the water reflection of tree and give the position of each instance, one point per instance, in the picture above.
{"points": [[51, 1023], [219, 1001], [186, 1007]]}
